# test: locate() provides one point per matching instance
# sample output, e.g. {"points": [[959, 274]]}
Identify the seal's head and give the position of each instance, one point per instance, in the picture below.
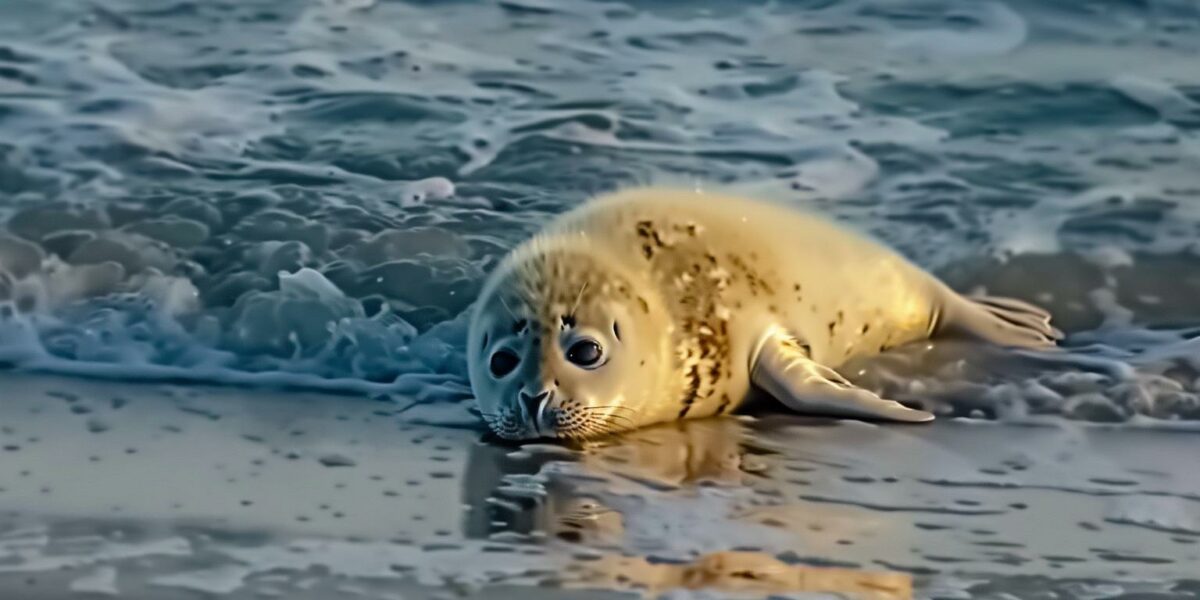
{"points": [[565, 343]]}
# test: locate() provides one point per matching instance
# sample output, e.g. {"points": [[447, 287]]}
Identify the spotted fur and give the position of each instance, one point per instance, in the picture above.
{"points": [[696, 286], [711, 275]]}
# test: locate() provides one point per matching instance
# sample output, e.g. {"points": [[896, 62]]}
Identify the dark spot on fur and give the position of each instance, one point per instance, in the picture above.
{"points": [[645, 305], [616, 330], [485, 341], [725, 403], [651, 239], [568, 321], [694, 381], [519, 326], [754, 281], [865, 328]]}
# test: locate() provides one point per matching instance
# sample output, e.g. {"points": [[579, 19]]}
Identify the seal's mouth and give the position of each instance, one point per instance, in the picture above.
{"points": [[537, 418]]}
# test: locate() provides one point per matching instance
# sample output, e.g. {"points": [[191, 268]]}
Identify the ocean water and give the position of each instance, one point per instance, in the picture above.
{"points": [[307, 194]]}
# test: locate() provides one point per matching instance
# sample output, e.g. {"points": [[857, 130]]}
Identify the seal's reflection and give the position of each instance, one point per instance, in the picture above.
{"points": [[530, 493], [507, 492]]}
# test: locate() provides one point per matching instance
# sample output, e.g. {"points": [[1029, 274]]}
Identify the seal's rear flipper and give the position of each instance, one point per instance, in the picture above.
{"points": [[1001, 321], [783, 369]]}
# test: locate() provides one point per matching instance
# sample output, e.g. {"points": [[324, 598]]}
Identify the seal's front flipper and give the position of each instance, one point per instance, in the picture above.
{"points": [[784, 370], [1001, 321]]}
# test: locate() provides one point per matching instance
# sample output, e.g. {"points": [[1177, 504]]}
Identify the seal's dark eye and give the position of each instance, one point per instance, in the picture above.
{"points": [[503, 362], [585, 353]]}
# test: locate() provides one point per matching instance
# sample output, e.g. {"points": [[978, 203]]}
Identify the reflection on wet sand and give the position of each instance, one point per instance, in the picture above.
{"points": [[604, 495], [710, 451], [742, 574]]}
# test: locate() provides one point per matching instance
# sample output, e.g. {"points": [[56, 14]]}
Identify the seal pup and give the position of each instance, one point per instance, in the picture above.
{"points": [[653, 304]]}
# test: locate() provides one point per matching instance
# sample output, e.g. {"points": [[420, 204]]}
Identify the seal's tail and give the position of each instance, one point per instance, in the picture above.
{"points": [[1002, 321]]}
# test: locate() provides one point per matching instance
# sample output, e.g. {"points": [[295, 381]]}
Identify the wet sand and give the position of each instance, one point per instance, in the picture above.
{"points": [[153, 491]]}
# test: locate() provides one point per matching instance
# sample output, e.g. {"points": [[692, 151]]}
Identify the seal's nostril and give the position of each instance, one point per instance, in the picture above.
{"points": [[532, 402]]}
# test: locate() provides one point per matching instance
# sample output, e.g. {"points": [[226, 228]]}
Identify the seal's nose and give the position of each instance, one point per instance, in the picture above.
{"points": [[533, 403]]}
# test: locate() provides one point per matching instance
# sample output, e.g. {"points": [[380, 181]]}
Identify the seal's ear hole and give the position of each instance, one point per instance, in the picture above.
{"points": [[503, 362], [616, 330]]}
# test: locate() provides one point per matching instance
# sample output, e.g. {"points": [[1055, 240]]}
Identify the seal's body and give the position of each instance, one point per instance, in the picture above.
{"points": [[654, 304]]}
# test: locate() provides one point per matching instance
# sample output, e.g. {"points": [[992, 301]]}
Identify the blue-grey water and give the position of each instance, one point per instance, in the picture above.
{"points": [[308, 193]]}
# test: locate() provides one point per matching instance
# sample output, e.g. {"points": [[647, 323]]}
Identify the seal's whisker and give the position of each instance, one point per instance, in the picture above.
{"points": [[591, 430], [608, 415], [606, 411], [510, 312], [578, 298], [611, 407], [595, 428], [613, 428], [619, 418]]}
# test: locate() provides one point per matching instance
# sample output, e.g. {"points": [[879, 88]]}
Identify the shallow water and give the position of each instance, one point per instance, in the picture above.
{"points": [[307, 195]]}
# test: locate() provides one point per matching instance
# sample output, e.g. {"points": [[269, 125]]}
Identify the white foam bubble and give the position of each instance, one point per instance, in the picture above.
{"points": [[217, 580], [1161, 513], [998, 30], [1158, 95], [35, 555], [102, 582]]}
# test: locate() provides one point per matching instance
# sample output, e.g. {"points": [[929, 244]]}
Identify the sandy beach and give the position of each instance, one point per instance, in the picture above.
{"points": [[154, 491]]}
